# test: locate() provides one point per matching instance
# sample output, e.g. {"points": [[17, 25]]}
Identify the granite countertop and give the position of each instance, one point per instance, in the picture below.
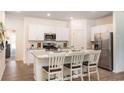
{"points": [[35, 49], [45, 54]]}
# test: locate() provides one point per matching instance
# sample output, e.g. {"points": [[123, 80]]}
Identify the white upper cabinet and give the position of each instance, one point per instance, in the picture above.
{"points": [[110, 27], [41, 31], [100, 29], [79, 39], [51, 29], [65, 34], [79, 33], [36, 32], [32, 32], [93, 31], [62, 34], [58, 34], [80, 24]]}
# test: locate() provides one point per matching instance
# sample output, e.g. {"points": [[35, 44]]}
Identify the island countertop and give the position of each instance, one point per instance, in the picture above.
{"points": [[45, 54]]}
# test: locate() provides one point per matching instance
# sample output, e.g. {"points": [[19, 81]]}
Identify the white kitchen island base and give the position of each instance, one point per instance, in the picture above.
{"points": [[42, 59]]}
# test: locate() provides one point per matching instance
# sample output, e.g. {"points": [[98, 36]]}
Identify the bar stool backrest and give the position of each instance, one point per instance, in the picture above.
{"points": [[56, 61]]}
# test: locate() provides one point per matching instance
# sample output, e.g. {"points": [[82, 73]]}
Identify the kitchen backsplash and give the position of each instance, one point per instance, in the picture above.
{"points": [[39, 45], [34, 45]]}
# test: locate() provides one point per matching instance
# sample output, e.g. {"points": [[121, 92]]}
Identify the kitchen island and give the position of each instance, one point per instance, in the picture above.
{"points": [[41, 59]]}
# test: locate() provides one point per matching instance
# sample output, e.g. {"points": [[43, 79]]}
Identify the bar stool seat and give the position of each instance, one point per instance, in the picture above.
{"points": [[46, 68], [69, 66], [86, 64]]}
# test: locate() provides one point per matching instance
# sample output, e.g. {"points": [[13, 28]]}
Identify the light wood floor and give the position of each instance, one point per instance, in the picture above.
{"points": [[17, 71]]}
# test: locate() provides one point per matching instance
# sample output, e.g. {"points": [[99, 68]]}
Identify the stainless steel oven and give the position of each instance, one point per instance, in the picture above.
{"points": [[49, 45], [49, 36]]}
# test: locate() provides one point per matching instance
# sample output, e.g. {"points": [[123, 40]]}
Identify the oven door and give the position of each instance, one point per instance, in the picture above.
{"points": [[54, 37]]}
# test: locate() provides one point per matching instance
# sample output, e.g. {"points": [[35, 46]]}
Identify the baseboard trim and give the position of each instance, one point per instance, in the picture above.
{"points": [[118, 71]]}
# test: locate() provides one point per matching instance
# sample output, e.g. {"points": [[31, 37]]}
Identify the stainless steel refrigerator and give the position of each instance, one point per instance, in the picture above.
{"points": [[104, 41]]}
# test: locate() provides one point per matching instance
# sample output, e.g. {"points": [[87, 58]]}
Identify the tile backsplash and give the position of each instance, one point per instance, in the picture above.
{"points": [[35, 44]]}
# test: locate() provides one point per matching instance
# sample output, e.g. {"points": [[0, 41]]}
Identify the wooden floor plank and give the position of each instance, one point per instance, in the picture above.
{"points": [[18, 71]]}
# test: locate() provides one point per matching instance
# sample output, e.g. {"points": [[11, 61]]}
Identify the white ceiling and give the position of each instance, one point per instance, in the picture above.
{"points": [[62, 15]]}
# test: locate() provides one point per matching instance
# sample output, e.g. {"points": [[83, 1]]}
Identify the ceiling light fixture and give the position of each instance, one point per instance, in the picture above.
{"points": [[48, 14], [18, 11], [93, 11], [71, 18]]}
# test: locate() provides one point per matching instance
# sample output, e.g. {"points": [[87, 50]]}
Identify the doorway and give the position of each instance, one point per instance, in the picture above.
{"points": [[11, 45]]}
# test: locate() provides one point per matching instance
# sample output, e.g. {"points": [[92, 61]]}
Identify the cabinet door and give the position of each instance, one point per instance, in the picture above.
{"points": [[78, 24], [30, 59], [36, 32], [65, 34], [51, 29], [32, 32], [79, 39], [103, 29], [41, 31], [62, 34], [110, 27], [92, 33], [58, 34], [94, 30]]}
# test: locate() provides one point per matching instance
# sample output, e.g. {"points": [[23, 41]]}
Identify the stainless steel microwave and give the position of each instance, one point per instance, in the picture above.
{"points": [[49, 36]]}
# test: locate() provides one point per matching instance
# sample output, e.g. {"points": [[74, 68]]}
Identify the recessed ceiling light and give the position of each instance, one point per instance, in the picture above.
{"points": [[48, 14], [71, 18], [18, 11], [93, 11]]}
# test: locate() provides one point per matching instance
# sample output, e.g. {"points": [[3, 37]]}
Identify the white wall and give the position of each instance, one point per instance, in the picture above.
{"points": [[104, 20], [17, 23], [118, 41]]}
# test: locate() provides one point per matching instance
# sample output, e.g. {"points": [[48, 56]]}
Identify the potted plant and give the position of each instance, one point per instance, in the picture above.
{"points": [[2, 36]]}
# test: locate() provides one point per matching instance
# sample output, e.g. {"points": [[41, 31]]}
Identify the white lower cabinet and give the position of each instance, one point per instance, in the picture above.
{"points": [[30, 57]]}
